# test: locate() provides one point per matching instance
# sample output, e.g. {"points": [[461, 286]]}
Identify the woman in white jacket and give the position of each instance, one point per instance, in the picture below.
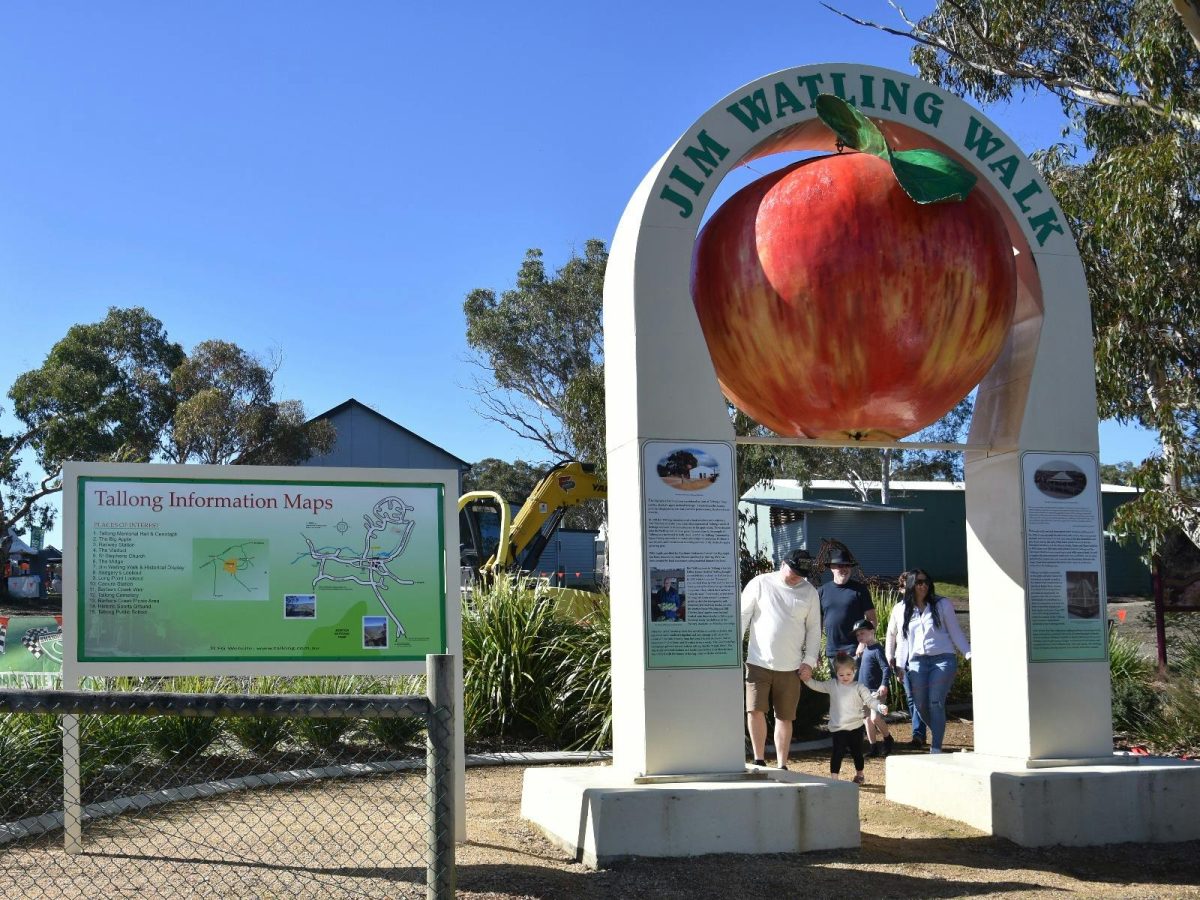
{"points": [[930, 629], [895, 648]]}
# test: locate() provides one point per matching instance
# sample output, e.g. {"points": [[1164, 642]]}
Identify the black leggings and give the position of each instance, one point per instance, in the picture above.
{"points": [[843, 741]]}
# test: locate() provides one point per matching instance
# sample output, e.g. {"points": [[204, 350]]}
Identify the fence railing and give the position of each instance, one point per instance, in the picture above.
{"points": [[169, 794]]}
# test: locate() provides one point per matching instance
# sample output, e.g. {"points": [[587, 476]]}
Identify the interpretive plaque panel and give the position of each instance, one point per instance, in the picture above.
{"points": [[1064, 557], [691, 548]]}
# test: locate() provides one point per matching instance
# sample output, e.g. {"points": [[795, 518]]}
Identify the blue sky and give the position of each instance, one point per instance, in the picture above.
{"points": [[328, 181]]}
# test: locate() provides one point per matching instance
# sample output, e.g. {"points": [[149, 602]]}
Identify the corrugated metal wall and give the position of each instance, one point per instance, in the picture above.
{"points": [[875, 539]]}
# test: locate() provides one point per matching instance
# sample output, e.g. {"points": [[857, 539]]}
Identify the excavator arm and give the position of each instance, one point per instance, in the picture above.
{"points": [[524, 538]]}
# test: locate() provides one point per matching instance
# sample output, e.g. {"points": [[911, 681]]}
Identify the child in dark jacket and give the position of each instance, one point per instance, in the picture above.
{"points": [[873, 672]]}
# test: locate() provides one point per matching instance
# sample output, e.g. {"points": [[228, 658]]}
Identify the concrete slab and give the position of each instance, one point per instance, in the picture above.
{"points": [[601, 816], [1144, 799]]}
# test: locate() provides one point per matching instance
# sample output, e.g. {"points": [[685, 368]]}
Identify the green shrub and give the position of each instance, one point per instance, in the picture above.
{"points": [[110, 741], [960, 688], [178, 737], [1134, 707], [260, 734], [321, 734], [181, 737], [30, 764], [396, 734], [508, 671], [583, 679]]}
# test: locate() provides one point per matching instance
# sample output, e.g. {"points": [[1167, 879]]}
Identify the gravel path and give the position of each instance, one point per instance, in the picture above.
{"points": [[904, 853], [310, 844]]}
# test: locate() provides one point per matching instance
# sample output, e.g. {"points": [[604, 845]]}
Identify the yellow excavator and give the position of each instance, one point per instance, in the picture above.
{"points": [[494, 541]]}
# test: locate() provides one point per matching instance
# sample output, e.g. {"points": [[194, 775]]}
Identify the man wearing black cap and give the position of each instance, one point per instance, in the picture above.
{"points": [[783, 613], [843, 602]]}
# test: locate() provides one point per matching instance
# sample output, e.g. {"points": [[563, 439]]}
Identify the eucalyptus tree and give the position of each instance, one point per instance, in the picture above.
{"points": [[227, 413], [540, 349], [1127, 175], [102, 393]]}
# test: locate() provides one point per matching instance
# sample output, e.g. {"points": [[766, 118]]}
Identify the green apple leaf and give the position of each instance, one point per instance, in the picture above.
{"points": [[931, 177], [852, 128], [927, 176]]}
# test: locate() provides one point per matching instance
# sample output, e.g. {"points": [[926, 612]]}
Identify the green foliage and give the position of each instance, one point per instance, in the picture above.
{"points": [[535, 672], [110, 741], [30, 759], [541, 344], [960, 688], [323, 735], [1128, 180], [101, 394], [513, 481], [260, 734], [29, 745], [509, 672], [181, 737], [750, 566], [227, 413], [396, 734], [1125, 659], [584, 679]]}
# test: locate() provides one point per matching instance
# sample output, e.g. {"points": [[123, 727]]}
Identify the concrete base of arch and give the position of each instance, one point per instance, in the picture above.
{"points": [[1119, 800], [601, 816]]}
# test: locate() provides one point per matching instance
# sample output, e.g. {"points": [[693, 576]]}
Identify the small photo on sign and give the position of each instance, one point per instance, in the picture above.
{"points": [[668, 595], [1060, 479], [688, 469], [1083, 595], [374, 633], [299, 606]]}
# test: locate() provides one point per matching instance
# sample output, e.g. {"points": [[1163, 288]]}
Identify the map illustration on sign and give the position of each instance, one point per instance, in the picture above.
{"points": [[230, 569], [387, 529]]}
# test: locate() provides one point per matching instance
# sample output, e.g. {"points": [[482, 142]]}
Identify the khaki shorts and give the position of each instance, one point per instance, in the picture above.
{"points": [[767, 687]]}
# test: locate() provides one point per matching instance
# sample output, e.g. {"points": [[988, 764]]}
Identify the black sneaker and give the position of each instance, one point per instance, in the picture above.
{"points": [[917, 742], [760, 762], [888, 743], [876, 751]]}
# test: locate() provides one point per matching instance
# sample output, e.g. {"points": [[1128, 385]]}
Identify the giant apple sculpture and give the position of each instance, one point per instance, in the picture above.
{"points": [[834, 304]]}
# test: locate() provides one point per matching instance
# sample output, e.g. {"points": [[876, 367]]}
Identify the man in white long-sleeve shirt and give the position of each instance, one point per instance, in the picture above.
{"points": [[783, 613]]}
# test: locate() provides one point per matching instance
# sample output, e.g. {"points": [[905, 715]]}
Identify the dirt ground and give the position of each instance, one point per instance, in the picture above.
{"points": [[904, 853]]}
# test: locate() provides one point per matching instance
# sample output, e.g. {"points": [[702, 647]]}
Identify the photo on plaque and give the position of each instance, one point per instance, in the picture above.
{"points": [[1083, 595], [1060, 480], [668, 600], [688, 469]]}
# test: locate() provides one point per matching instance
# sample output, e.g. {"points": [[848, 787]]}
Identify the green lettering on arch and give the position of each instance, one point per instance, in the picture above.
{"points": [[703, 156], [895, 93], [752, 110], [785, 97]]}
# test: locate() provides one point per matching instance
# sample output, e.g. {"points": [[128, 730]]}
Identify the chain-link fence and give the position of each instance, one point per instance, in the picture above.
{"points": [[166, 794]]}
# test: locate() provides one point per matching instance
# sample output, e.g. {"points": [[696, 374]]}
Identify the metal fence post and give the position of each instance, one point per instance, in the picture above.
{"points": [[440, 878]]}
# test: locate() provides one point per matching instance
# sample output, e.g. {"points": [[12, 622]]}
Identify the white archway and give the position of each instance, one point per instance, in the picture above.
{"points": [[1039, 396]]}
